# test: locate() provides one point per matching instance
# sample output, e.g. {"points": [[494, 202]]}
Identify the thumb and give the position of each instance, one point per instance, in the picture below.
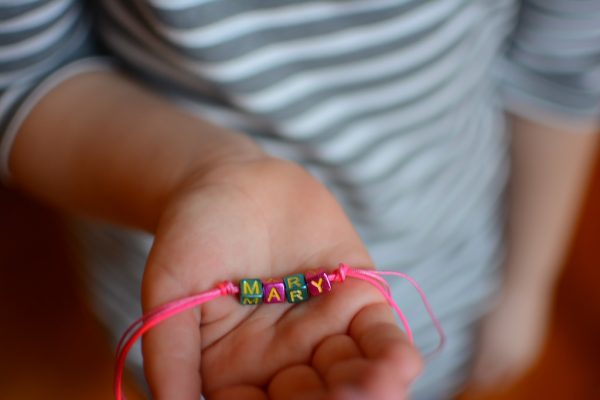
{"points": [[172, 349]]}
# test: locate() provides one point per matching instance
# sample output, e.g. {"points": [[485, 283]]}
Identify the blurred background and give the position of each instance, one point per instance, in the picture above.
{"points": [[52, 347]]}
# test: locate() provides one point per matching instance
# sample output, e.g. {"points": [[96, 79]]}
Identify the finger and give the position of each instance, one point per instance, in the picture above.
{"points": [[380, 339], [238, 392], [332, 350], [395, 363], [348, 373], [348, 393], [299, 382], [172, 349]]}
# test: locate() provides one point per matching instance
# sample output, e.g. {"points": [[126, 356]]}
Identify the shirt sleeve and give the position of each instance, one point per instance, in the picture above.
{"points": [[551, 69], [42, 42]]}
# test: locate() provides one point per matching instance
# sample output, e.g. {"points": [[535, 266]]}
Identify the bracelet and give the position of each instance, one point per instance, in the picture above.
{"points": [[293, 288]]}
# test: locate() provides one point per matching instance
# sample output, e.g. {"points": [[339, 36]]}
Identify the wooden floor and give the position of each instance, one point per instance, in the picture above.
{"points": [[52, 348]]}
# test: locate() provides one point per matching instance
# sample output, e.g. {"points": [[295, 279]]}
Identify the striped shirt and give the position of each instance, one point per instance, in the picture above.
{"points": [[396, 105]]}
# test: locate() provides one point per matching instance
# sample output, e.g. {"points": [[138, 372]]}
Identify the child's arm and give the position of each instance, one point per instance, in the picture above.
{"points": [[106, 147], [548, 77], [220, 209], [549, 169]]}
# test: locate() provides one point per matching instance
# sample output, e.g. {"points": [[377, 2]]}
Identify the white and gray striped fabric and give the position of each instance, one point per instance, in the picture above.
{"points": [[396, 105]]}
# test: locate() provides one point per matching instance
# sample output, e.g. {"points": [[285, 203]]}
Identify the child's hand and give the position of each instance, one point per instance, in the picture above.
{"points": [[260, 219]]}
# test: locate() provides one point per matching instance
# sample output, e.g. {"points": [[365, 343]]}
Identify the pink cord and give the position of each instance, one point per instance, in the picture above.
{"points": [[164, 312], [153, 318]]}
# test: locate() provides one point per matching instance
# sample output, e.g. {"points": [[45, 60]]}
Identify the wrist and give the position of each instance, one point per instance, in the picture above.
{"points": [[192, 168], [255, 178], [527, 287]]}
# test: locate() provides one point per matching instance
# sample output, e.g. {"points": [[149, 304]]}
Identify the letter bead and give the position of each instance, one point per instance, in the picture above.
{"points": [[318, 282], [273, 291], [251, 291], [295, 288]]}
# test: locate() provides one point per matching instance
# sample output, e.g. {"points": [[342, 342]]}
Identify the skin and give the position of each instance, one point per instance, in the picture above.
{"points": [[220, 210]]}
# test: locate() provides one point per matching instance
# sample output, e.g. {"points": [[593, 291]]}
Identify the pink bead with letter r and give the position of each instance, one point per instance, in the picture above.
{"points": [[317, 282]]}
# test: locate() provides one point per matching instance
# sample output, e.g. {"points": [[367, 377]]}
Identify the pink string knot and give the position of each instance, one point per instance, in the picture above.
{"points": [[227, 287], [339, 275]]}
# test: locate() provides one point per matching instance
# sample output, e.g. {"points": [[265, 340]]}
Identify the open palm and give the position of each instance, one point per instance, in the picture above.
{"points": [[261, 219]]}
